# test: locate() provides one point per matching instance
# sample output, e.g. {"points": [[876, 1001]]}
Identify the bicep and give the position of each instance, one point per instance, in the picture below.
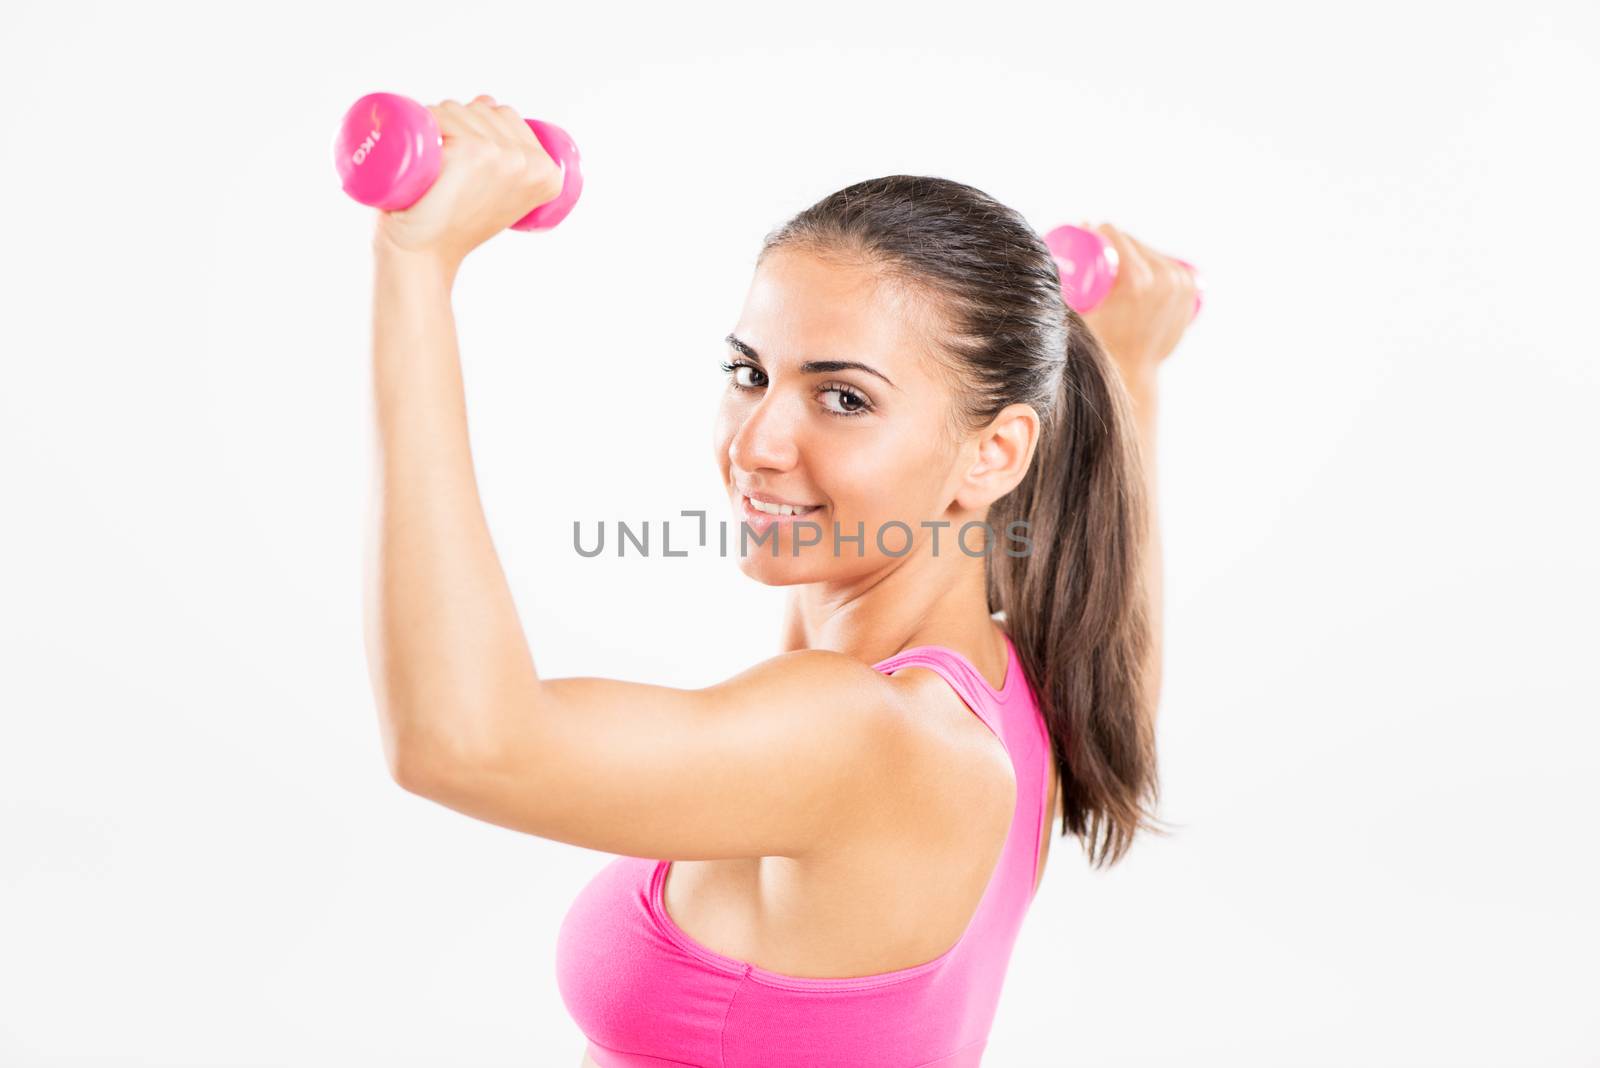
{"points": [[776, 761]]}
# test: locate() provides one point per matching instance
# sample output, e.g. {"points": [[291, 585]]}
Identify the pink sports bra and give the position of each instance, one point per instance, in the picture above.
{"points": [[646, 995]]}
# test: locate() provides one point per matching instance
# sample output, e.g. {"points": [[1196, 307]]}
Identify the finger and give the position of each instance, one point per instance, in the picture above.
{"points": [[1130, 261], [1187, 283], [1172, 274], [451, 126], [509, 122], [1177, 276], [1160, 263], [467, 121], [479, 121], [1164, 270], [484, 109]]}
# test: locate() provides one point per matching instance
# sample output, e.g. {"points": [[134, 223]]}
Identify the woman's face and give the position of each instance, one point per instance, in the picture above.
{"points": [[865, 445]]}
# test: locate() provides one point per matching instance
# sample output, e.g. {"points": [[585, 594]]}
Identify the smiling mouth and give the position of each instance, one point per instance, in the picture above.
{"points": [[779, 509]]}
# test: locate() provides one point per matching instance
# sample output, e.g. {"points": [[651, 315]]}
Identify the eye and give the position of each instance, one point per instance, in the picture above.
{"points": [[853, 402], [739, 365]]}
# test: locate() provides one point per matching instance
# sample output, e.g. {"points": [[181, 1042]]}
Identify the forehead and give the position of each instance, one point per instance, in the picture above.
{"points": [[802, 306]]}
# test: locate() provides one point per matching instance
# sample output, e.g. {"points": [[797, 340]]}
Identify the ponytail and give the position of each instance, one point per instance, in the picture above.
{"points": [[1076, 606]]}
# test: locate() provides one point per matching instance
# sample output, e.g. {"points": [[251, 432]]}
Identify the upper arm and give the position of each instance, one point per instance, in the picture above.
{"points": [[776, 761]]}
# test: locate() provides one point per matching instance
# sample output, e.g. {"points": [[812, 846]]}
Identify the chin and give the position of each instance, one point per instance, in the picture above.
{"points": [[782, 570], [814, 564]]}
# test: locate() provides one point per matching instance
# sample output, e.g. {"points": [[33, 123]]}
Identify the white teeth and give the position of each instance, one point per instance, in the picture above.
{"points": [[777, 509]]}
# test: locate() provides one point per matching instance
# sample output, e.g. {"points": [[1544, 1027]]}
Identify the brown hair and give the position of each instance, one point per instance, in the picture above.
{"points": [[1075, 604]]}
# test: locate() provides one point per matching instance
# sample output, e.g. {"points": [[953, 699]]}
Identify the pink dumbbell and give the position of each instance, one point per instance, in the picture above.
{"points": [[1088, 266], [387, 154]]}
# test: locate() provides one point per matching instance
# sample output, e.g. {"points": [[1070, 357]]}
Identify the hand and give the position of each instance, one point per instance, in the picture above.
{"points": [[1148, 309], [492, 172]]}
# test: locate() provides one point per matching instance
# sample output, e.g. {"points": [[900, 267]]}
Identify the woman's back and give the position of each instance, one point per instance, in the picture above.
{"points": [[646, 992]]}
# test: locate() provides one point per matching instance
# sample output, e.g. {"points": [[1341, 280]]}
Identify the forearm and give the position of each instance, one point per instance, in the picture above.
{"points": [[443, 640], [1144, 395]]}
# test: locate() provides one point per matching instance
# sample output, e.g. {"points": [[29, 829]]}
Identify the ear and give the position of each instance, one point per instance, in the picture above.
{"points": [[1000, 453]]}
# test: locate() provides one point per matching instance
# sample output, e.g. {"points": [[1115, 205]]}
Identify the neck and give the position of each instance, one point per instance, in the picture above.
{"points": [[917, 599]]}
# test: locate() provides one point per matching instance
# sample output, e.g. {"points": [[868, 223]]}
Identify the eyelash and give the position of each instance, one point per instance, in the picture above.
{"points": [[866, 407]]}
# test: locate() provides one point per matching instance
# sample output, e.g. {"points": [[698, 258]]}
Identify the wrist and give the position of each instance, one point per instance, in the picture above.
{"points": [[391, 257], [1140, 380]]}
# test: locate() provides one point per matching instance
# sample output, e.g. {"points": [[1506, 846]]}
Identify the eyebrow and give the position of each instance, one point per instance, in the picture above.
{"points": [[811, 367]]}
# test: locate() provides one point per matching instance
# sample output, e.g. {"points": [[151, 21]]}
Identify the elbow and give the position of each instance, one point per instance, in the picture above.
{"points": [[416, 764], [411, 770], [432, 752]]}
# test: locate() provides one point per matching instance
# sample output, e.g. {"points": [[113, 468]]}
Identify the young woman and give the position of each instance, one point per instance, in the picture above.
{"points": [[826, 858]]}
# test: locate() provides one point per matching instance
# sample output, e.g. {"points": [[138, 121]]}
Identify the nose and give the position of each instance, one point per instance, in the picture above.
{"points": [[766, 437]]}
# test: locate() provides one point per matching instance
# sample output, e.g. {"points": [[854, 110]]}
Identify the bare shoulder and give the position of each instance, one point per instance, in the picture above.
{"points": [[938, 744], [961, 770], [939, 771]]}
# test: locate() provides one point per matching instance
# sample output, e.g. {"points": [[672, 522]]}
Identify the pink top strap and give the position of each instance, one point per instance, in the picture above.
{"points": [[964, 677]]}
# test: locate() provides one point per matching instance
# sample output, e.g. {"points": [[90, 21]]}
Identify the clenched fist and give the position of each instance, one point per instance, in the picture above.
{"points": [[493, 171], [1149, 307]]}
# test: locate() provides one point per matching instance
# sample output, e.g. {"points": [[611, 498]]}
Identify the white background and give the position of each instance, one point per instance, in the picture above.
{"points": [[1377, 457]]}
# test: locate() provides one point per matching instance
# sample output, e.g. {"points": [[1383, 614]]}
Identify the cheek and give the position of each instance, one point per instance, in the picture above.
{"points": [[906, 484], [864, 479]]}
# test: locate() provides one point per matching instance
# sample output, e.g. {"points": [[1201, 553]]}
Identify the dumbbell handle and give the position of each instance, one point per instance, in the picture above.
{"points": [[387, 153], [1088, 266]]}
